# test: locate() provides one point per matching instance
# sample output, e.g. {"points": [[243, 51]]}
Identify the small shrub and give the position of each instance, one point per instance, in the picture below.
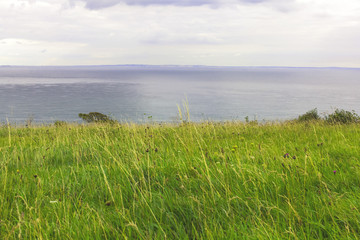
{"points": [[251, 122], [96, 117], [311, 115], [343, 117], [59, 123]]}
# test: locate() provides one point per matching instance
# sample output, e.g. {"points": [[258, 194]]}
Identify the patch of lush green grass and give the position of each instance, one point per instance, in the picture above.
{"points": [[190, 181]]}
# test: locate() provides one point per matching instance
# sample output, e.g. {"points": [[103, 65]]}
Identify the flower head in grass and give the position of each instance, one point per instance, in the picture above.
{"points": [[18, 171], [286, 155], [234, 148], [334, 171]]}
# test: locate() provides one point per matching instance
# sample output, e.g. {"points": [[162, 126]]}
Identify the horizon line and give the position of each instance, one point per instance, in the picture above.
{"points": [[174, 65]]}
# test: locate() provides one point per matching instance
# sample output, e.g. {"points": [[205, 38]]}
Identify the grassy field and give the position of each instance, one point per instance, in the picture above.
{"points": [[188, 181]]}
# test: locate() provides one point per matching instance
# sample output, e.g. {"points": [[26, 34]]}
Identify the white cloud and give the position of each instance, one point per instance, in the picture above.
{"points": [[267, 32], [30, 52]]}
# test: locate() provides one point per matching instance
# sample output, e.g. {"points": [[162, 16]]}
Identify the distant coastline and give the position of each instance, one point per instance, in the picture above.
{"points": [[147, 66]]}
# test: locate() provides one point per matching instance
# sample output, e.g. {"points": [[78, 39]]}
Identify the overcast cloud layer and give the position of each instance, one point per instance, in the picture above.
{"points": [[214, 32], [96, 4]]}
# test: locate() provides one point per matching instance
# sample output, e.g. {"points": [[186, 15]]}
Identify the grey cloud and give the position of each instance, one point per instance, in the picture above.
{"points": [[96, 4]]}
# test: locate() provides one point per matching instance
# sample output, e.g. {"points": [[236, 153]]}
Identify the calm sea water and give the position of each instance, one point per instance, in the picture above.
{"points": [[140, 93]]}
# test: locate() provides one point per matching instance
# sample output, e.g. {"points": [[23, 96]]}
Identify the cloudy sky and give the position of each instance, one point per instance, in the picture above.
{"points": [[311, 33]]}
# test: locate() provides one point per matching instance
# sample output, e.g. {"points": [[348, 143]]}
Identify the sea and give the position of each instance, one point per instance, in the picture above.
{"points": [[143, 93]]}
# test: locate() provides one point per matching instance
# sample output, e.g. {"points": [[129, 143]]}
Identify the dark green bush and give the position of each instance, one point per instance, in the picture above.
{"points": [[309, 116], [96, 117], [59, 123], [343, 117]]}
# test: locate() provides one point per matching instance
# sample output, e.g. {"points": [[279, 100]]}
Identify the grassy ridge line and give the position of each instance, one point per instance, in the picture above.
{"points": [[205, 180]]}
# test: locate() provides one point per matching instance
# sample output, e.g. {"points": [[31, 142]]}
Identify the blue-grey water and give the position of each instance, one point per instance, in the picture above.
{"points": [[134, 93]]}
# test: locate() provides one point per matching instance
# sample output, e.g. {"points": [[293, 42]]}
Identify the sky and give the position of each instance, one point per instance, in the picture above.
{"points": [[297, 33]]}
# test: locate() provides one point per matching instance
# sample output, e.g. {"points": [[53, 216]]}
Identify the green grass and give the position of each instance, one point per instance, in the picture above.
{"points": [[190, 181]]}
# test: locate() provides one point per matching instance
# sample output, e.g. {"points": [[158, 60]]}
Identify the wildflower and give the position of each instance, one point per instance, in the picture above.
{"points": [[18, 171], [334, 171], [286, 155]]}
